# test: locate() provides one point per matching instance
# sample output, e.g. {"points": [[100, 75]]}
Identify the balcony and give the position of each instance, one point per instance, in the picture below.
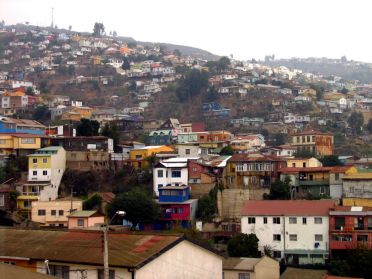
{"points": [[313, 182], [350, 240]]}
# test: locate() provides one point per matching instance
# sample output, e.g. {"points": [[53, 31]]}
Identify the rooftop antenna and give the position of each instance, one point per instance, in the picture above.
{"points": [[52, 25]]}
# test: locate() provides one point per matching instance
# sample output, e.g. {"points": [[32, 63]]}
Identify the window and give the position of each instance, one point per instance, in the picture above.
{"points": [[358, 223], [244, 276], [293, 237], [180, 210], [292, 220], [304, 165], [337, 176], [251, 220], [34, 172], [80, 222], [318, 220], [187, 151], [277, 237], [276, 220], [101, 274], [2, 141], [339, 223], [160, 173], [369, 223], [45, 160], [265, 220], [362, 237], [176, 173], [34, 160], [2, 200], [28, 140], [45, 172], [318, 237], [60, 212], [138, 157], [277, 254], [60, 271], [26, 204], [53, 212], [41, 212]]}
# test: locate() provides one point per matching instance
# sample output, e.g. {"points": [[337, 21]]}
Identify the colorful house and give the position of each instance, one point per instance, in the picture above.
{"points": [[349, 227], [315, 142], [357, 189], [77, 113], [45, 170], [85, 219], [18, 144], [12, 125], [176, 207], [139, 157]]}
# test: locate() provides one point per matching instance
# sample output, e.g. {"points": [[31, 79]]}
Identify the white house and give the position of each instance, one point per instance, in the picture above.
{"points": [[79, 254], [295, 230], [173, 171]]}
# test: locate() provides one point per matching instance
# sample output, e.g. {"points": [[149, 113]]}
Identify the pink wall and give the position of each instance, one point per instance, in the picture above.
{"points": [[88, 221]]}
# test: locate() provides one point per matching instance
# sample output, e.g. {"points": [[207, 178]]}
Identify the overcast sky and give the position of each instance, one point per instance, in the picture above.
{"points": [[244, 28]]}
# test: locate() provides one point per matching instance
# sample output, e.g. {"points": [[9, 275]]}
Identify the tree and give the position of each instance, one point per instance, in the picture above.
{"points": [[330, 161], [369, 126], [87, 128], [139, 207], [304, 153], [227, 150], [193, 84], [223, 64], [344, 90], [69, 27], [41, 113], [207, 206], [126, 64], [279, 139], [98, 29], [177, 52], [114, 34], [355, 122], [244, 245], [111, 131], [279, 190], [93, 202], [30, 91]]}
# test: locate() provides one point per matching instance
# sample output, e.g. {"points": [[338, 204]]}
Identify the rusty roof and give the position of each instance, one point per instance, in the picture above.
{"points": [[308, 169], [131, 250], [287, 207], [254, 158], [312, 132], [9, 271]]}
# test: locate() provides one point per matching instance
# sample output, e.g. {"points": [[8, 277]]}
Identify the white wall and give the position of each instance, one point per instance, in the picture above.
{"points": [[168, 179], [185, 260], [265, 232]]}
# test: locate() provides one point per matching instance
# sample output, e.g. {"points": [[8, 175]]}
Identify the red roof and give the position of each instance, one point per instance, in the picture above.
{"points": [[287, 207]]}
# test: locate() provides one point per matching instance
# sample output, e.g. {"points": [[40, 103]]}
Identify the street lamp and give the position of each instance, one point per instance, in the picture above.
{"points": [[105, 248]]}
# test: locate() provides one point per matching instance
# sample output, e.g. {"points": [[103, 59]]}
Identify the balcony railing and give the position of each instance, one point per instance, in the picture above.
{"points": [[313, 182]]}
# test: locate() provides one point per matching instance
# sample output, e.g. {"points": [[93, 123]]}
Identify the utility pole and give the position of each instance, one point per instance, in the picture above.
{"points": [[71, 196]]}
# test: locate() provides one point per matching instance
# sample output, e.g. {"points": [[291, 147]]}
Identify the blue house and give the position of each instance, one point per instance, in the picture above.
{"points": [[12, 125], [160, 137]]}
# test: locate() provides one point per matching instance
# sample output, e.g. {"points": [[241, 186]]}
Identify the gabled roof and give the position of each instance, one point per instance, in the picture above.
{"points": [[130, 250], [85, 214], [287, 207]]}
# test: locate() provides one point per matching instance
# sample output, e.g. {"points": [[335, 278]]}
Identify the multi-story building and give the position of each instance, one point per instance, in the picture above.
{"points": [[45, 170], [176, 207], [173, 171], [139, 158], [14, 100], [19, 144], [84, 143], [357, 189], [303, 162], [253, 171], [349, 227], [296, 231], [54, 213], [243, 144], [313, 141]]}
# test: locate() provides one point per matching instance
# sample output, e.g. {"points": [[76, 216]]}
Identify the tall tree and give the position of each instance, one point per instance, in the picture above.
{"points": [[139, 207], [194, 83], [111, 131], [244, 245], [330, 161], [126, 64], [87, 128], [98, 29], [369, 126], [279, 190], [355, 122]]}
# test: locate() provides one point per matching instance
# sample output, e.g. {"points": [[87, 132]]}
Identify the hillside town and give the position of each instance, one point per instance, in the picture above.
{"points": [[127, 160]]}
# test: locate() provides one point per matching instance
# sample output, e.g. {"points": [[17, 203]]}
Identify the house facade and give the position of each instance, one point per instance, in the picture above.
{"points": [[315, 142], [296, 231]]}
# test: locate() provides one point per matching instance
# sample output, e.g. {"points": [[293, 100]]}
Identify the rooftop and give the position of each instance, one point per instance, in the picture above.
{"points": [[287, 207], [85, 213]]}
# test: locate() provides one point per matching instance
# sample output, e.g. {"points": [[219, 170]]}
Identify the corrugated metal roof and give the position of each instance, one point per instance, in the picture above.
{"points": [[84, 247], [9, 271], [83, 213]]}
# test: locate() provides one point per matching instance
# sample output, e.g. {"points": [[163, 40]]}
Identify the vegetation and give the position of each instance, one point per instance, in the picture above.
{"points": [[227, 150], [98, 29], [138, 205], [330, 161], [93, 202], [355, 122], [207, 206], [243, 245], [87, 128], [111, 131], [194, 83], [279, 190]]}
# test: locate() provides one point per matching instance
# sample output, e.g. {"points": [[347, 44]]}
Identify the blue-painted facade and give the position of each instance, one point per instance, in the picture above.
{"points": [[14, 128], [162, 137], [170, 194]]}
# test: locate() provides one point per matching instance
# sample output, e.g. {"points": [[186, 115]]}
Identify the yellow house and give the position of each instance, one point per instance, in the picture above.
{"points": [[138, 156], [96, 60], [77, 113], [18, 144], [303, 163], [54, 213], [45, 170]]}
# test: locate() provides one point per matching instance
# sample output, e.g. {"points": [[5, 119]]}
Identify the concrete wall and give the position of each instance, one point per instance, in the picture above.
{"points": [[185, 260], [357, 189], [168, 179], [231, 201]]}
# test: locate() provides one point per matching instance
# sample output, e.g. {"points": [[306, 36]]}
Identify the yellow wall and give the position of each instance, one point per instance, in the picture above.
{"points": [[145, 153], [9, 142], [310, 163], [40, 164], [356, 202]]}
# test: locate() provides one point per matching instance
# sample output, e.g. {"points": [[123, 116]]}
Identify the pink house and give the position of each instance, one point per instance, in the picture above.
{"points": [[85, 219]]}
